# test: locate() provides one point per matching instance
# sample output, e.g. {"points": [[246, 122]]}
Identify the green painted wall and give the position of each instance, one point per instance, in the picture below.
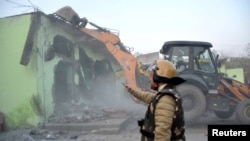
{"points": [[237, 72], [18, 83]]}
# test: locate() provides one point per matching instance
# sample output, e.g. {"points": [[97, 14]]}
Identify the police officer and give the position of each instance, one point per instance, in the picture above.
{"points": [[164, 118]]}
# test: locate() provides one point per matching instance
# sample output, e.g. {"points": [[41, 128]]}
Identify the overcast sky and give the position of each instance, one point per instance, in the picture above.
{"points": [[146, 24]]}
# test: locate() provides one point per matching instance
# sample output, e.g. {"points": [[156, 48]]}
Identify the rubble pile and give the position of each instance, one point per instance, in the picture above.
{"points": [[72, 121], [82, 113]]}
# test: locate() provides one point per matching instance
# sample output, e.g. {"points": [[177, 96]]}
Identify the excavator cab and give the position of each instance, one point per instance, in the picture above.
{"points": [[193, 59], [206, 89]]}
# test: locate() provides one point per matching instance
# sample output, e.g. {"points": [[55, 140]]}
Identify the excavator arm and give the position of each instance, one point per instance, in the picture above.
{"points": [[111, 41], [235, 88]]}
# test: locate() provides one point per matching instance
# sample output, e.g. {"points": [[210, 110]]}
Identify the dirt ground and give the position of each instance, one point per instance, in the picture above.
{"points": [[91, 123], [195, 132]]}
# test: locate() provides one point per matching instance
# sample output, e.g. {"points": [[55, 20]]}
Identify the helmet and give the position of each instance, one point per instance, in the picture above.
{"points": [[165, 68], [164, 72]]}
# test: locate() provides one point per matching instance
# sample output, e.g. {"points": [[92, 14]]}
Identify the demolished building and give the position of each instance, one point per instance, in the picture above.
{"points": [[48, 60]]}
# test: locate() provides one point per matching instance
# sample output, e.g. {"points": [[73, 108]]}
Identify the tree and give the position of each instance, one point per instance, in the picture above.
{"points": [[247, 49]]}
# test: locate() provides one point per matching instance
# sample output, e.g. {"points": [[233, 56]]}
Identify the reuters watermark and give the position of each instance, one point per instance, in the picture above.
{"points": [[228, 132]]}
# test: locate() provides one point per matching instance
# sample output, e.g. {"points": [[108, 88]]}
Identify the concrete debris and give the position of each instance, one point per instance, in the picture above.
{"points": [[74, 120]]}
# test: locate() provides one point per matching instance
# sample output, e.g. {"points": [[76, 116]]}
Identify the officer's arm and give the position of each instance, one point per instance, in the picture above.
{"points": [[144, 96], [164, 114]]}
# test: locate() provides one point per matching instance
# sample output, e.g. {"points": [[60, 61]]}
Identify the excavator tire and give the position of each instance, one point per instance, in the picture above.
{"points": [[193, 101], [225, 114], [243, 111]]}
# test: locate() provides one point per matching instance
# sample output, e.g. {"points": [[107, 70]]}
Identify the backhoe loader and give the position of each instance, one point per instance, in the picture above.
{"points": [[206, 88]]}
